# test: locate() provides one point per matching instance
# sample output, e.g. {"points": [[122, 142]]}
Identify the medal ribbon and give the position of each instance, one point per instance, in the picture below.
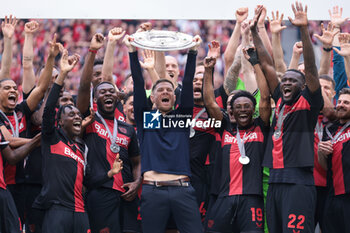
{"points": [[334, 139], [115, 128], [15, 131], [240, 143]]}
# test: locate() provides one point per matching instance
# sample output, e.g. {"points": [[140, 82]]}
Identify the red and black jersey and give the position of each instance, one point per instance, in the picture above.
{"points": [[101, 158], [118, 113], [221, 97], [201, 143], [294, 148], [320, 175], [238, 179], [339, 161], [63, 163], [3, 144], [15, 173]]}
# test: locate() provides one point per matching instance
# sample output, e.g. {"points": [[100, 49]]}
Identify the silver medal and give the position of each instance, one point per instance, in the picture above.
{"points": [[192, 132], [277, 134], [244, 160], [114, 148]]}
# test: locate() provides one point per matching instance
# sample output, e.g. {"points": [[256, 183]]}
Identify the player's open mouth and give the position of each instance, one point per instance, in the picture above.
{"points": [[12, 99], [287, 91], [243, 117], [77, 125], [197, 89], [171, 74], [165, 100], [109, 102]]}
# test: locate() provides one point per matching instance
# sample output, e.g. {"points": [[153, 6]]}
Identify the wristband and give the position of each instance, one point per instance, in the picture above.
{"points": [[93, 51], [327, 49]]}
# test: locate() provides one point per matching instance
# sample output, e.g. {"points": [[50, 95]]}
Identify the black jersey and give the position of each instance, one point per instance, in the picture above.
{"points": [[339, 160], [238, 179], [221, 97], [15, 173], [201, 143], [293, 147], [101, 158], [64, 163]]}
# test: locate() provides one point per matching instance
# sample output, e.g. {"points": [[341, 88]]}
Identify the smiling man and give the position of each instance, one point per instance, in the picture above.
{"points": [[106, 137], [289, 152], [165, 167]]}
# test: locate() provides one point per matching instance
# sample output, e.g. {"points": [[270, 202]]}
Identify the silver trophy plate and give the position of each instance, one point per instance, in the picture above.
{"points": [[162, 40]]}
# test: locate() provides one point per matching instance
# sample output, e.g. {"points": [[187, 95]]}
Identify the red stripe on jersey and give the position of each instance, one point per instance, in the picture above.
{"points": [[277, 152], [207, 161], [78, 189], [337, 162], [10, 170], [320, 175], [337, 169], [2, 181], [63, 149], [236, 171], [219, 101]]}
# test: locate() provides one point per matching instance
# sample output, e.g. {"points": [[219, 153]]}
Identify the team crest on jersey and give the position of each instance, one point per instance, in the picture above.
{"points": [[19, 115], [123, 130]]}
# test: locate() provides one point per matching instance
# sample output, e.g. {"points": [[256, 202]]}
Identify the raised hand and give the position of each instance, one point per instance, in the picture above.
{"points": [[344, 40], [336, 16], [241, 14], [197, 40], [254, 22], [214, 49], [298, 48], [327, 35], [8, 26], [276, 23], [300, 15], [97, 41], [148, 59], [245, 28], [144, 27], [261, 21], [67, 63], [31, 27], [55, 48], [251, 55], [209, 62], [115, 34], [127, 39]]}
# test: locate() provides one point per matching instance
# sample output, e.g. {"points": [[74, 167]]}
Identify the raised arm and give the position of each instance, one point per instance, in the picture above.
{"points": [[28, 55], [16, 155], [114, 36], [262, 30], [83, 100], [247, 69], [300, 20], [233, 43], [44, 80], [208, 89], [187, 88], [149, 64], [264, 57], [66, 65], [344, 40], [264, 103], [327, 41], [297, 51], [277, 51], [8, 29], [230, 82]]}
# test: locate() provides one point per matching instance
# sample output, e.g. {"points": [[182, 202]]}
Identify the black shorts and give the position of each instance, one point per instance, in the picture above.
{"points": [[59, 219], [9, 220], [103, 207], [238, 213], [290, 208], [34, 217], [159, 203], [130, 217], [202, 195], [336, 216], [19, 197], [322, 193]]}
